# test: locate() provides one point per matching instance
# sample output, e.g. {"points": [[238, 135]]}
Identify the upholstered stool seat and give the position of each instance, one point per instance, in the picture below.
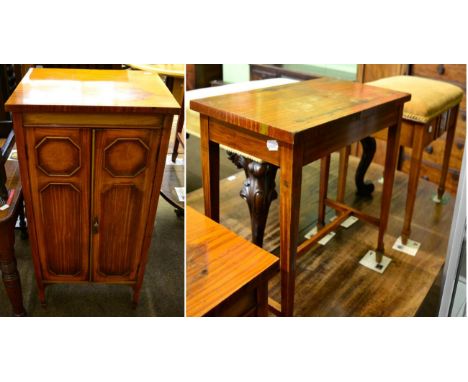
{"points": [[431, 112], [429, 98]]}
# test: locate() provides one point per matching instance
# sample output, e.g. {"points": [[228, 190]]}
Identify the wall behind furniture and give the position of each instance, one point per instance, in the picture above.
{"points": [[240, 72]]}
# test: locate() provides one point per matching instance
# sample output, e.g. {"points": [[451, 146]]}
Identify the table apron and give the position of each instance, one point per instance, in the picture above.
{"points": [[242, 140], [341, 133], [317, 142]]}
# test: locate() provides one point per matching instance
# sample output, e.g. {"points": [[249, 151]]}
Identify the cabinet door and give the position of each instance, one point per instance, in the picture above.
{"points": [[59, 167], [124, 167]]}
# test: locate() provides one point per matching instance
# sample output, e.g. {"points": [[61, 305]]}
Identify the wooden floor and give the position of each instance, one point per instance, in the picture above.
{"points": [[330, 281]]}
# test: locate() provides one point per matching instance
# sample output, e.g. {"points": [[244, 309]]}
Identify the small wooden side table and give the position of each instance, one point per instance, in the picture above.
{"points": [[226, 274], [8, 218], [291, 126]]}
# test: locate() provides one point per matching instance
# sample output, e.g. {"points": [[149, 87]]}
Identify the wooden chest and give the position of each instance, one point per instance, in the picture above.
{"points": [[92, 146]]}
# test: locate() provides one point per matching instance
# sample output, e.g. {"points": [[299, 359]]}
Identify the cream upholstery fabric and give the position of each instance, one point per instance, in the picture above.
{"points": [[429, 98], [193, 117]]}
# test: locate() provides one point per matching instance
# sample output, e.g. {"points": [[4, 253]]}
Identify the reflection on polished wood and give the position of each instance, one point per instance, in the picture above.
{"points": [[84, 90], [226, 274], [330, 281]]}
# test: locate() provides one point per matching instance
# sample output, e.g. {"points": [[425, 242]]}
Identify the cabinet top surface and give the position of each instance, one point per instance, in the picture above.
{"points": [[293, 108], [85, 90], [219, 263]]}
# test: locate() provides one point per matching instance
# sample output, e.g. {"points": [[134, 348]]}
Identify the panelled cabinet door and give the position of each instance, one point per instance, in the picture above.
{"points": [[59, 167], [124, 166]]}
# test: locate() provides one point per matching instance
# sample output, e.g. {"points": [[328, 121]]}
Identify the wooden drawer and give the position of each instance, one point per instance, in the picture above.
{"points": [[444, 72]]}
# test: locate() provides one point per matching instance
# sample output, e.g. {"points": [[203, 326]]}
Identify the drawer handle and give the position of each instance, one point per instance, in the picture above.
{"points": [[96, 226], [441, 69], [429, 149], [425, 177]]}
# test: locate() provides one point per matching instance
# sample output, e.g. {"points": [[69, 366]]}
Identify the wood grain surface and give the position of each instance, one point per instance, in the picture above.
{"points": [[219, 263], [281, 112], [329, 280], [85, 90]]}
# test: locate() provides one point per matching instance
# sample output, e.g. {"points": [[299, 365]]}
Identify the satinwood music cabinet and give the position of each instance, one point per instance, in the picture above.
{"points": [[92, 146]]}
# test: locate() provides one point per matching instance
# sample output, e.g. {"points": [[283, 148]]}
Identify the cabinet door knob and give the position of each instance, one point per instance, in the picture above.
{"points": [[463, 115], [441, 69], [96, 225]]}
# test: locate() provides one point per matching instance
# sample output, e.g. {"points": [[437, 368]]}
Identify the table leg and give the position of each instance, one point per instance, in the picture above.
{"points": [[210, 170], [177, 89], [413, 179], [290, 198], [342, 173], [447, 151], [323, 191], [180, 126], [8, 268], [393, 141]]}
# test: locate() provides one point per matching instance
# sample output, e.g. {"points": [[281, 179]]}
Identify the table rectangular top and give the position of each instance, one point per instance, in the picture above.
{"points": [[294, 108], [85, 90], [219, 263]]}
